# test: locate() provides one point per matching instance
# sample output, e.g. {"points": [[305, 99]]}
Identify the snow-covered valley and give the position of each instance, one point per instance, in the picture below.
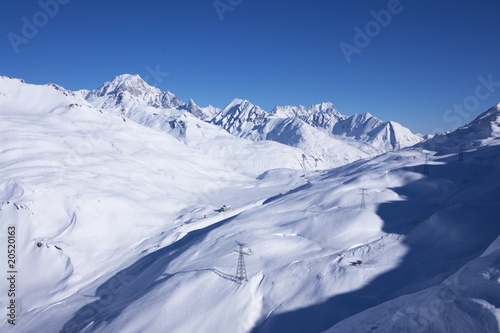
{"points": [[116, 206]]}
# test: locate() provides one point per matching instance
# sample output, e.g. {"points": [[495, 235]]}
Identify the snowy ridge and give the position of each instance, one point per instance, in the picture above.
{"points": [[37, 98], [383, 135], [323, 115], [483, 130]]}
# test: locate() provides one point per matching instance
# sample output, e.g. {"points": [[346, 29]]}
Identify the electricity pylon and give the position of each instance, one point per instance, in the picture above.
{"points": [[363, 201], [241, 271]]}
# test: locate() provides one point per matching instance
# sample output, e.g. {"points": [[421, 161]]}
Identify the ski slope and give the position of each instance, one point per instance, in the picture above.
{"points": [[130, 239]]}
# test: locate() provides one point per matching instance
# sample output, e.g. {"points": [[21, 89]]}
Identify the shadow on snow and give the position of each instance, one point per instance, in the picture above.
{"points": [[130, 284], [436, 249]]}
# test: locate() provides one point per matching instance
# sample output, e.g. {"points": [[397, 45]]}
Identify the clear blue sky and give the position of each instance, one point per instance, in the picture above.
{"points": [[414, 69]]}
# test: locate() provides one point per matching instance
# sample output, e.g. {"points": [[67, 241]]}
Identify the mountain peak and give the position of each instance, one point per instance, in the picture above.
{"points": [[487, 123], [238, 101], [240, 116], [382, 135], [322, 115], [131, 83], [325, 107], [129, 79], [195, 110], [126, 77]]}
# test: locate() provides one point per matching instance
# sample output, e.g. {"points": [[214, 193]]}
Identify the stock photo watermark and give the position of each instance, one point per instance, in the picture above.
{"points": [[30, 27], [364, 36], [155, 76], [11, 275], [460, 112], [223, 6]]}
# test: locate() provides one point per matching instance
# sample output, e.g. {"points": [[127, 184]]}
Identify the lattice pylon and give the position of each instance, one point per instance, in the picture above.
{"points": [[426, 165], [241, 271], [363, 199]]}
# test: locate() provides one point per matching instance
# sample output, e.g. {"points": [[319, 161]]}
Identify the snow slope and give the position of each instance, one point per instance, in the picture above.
{"points": [[141, 248], [467, 301], [92, 189], [432, 227]]}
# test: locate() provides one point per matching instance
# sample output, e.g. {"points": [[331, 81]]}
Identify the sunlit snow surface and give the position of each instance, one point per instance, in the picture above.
{"points": [[141, 247]]}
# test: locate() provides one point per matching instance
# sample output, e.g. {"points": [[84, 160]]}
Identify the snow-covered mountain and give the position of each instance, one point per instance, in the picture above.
{"points": [[241, 118], [244, 119], [131, 91], [323, 115], [182, 121], [351, 138], [386, 136], [131, 97], [117, 228]]}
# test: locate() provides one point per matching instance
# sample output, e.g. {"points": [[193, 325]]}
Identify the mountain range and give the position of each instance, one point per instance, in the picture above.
{"points": [[325, 137]]}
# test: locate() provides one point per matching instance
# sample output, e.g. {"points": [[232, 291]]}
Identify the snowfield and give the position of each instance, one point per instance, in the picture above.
{"points": [[118, 228]]}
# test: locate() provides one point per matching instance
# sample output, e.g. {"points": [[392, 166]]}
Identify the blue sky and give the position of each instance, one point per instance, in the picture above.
{"points": [[430, 65]]}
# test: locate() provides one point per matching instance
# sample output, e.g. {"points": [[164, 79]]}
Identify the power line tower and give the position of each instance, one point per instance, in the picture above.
{"points": [[461, 154], [363, 200], [426, 165], [241, 271]]}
